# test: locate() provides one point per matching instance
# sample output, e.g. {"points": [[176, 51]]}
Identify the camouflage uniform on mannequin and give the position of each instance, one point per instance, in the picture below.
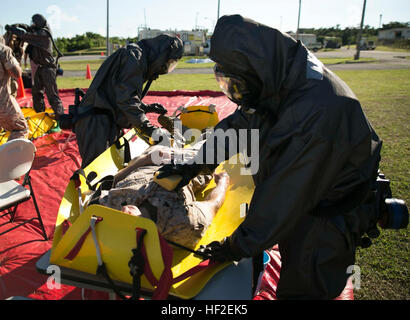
{"points": [[179, 215], [11, 116]]}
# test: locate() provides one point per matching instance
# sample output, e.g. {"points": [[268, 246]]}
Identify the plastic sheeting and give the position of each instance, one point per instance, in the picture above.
{"points": [[39, 124], [56, 159], [199, 61]]}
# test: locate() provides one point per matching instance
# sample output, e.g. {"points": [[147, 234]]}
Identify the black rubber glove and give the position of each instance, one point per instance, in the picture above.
{"points": [[162, 136], [154, 135], [186, 171], [154, 108], [221, 251]]}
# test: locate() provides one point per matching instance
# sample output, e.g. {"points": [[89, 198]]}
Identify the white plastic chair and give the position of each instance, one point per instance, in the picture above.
{"points": [[16, 160]]}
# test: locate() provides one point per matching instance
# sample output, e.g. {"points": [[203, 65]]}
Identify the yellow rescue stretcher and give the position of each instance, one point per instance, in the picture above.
{"points": [[39, 124], [86, 237]]}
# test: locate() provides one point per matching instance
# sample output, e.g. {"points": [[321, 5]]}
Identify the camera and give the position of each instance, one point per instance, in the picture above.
{"points": [[391, 213], [67, 121], [60, 71]]}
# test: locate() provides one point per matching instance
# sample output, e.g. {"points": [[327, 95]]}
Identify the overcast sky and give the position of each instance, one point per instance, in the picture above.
{"points": [[68, 18]]}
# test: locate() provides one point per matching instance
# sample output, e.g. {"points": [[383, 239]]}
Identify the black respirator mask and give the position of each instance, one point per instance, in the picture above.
{"points": [[38, 22], [234, 87], [169, 66]]}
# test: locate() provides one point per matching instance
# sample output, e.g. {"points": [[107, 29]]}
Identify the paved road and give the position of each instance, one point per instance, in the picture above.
{"points": [[85, 57], [385, 60]]}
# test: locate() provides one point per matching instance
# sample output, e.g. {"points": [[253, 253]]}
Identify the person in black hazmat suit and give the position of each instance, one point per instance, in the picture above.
{"points": [[318, 156], [114, 98], [40, 50]]}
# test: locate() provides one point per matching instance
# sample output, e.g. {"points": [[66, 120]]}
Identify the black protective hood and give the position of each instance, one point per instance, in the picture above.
{"points": [[117, 91], [40, 22], [39, 38], [159, 50], [262, 56]]}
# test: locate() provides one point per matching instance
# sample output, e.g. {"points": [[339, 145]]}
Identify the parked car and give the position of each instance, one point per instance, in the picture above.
{"points": [[207, 47], [315, 46], [367, 45]]}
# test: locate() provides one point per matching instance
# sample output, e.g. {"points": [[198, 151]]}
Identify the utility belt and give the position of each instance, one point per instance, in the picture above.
{"points": [[67, 121]]}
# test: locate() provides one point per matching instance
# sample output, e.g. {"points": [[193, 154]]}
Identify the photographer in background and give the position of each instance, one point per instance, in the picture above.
{"points": [[40, 50]]}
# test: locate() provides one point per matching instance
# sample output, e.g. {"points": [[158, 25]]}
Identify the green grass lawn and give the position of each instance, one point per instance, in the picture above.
{"points": [[185, 82], [385, 97], [73, 82], [89, 51], [387, 48], [345, 60], [74, 65]]}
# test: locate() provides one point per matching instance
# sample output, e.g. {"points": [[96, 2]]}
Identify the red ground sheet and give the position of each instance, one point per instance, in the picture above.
{"points": [[56, 159]]}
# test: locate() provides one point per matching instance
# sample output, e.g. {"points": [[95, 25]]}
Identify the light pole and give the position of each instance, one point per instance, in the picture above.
{"points": [[219, 3], [108, 28], [359, 37], [297, 30], [212, 21]]}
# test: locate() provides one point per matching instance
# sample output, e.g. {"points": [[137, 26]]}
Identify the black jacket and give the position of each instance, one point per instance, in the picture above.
{"points": [[117, 87], [316, 145], [40, 45]]}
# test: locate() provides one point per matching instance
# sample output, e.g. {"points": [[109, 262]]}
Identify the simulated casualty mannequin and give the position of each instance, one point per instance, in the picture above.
{"points": [[40, 50], [318, 157], [11, 116], [179, 216], [114, 99]]}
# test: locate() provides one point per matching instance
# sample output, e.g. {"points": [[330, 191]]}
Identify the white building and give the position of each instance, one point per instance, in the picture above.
{"points": [[149, 33], [305, 38], [194, 41], [395, 34], [308, 39]]}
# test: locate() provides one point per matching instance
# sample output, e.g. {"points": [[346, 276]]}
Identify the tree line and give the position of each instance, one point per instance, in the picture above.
{"points": [[348, 36], [89, 40]]}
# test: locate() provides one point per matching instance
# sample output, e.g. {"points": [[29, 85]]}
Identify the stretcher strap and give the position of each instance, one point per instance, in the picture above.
{"points": [[203, 265], [104, 183], [76, 249], [127, 149], [163, 285], [166, 280], [65, 226]]}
